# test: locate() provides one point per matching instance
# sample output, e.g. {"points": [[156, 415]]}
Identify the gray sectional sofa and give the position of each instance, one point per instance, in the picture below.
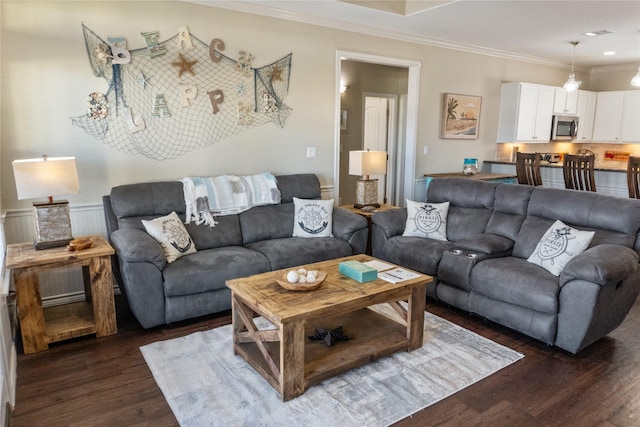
{"points": [[254, 241], [500, 225]]}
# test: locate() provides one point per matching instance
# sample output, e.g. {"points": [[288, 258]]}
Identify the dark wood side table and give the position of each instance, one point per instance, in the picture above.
{"points": [[368, 216], [95, 315]]}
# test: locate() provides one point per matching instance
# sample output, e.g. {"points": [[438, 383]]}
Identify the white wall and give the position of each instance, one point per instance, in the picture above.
{"points": [[46, 78]]}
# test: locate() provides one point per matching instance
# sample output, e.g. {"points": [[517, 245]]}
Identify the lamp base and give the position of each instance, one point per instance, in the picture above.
{"points": [[366, 192], [52, 224]]}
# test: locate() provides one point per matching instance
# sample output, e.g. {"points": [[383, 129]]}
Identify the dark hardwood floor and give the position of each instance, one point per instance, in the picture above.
{"points": [[89, 381]]}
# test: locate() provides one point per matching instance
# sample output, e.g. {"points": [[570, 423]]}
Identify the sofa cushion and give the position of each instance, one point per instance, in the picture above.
{"points": [[509, 210], [558, 246], [225, 233], [516, 281], [471, 204], [428, 220], [170, 232], [207, 270], [416, 253], [266, 222], [294, 251], [312, 218], [147, 199]]}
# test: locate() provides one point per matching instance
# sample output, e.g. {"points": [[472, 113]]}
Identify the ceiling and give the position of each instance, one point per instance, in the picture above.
{"points": [[531, 30]]}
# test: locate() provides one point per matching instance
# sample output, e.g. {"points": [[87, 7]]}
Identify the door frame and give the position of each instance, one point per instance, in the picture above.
{"points": [[408, 161]]}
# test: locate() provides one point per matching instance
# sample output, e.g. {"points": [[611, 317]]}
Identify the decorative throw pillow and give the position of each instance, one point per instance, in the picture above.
{"points": [[427, 220], [558, 246], [312, 218], [170, 232]]}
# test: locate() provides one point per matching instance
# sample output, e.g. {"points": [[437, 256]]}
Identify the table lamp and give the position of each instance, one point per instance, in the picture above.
{"points": [[367, 163], [48, 177]]}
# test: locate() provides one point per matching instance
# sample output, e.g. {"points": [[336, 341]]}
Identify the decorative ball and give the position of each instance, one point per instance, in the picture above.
{"points": [[311, 277], [293, 276], [302, 279], [302, 271]]}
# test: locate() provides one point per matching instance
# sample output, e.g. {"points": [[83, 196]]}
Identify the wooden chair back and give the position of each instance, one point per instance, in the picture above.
{"points": [[633, 177], [528, 168], [578, 172]]}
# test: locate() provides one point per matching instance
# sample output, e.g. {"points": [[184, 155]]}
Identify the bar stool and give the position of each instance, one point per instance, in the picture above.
{"points": [[578, 172], [528, 168], [633, 177]]}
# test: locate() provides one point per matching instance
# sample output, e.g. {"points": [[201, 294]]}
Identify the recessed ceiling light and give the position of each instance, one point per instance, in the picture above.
{"points": [[597, 33], [609, 53]]}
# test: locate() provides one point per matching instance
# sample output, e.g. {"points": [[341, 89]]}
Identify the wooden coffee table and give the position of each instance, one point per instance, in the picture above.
{"points": [[286, 357]]}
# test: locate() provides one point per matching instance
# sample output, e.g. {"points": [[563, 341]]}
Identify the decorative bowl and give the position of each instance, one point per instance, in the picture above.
{"points": [[80, 244], [308, 286]]}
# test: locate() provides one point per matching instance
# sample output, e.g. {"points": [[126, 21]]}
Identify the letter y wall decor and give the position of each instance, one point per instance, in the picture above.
{"points": [[172, 97]]}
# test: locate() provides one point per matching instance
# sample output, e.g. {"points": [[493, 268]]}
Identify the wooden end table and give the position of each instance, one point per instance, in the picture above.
{"points": [[286, 358], [368, 216], [95, 315]]}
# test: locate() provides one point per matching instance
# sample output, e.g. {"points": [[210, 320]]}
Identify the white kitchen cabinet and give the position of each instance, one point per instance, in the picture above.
{"points": [[526, 111], [586, 111], [617, 117], [565, 102], [630, 123], [606, 124]]}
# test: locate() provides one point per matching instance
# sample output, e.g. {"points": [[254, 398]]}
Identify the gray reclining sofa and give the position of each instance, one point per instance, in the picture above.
{"points": [[500, 225], [252, 242]]}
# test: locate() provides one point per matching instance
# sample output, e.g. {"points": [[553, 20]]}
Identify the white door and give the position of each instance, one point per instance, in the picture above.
{"points": [[375, 134]]}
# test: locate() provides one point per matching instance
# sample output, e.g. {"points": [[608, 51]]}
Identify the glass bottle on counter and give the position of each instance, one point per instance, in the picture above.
{"points": [[470, 166]]}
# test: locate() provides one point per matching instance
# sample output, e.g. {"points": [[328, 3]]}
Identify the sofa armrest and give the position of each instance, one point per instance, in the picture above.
{"points": [[487, 244], [384, 226], [351, 227], [391, 222], [133, 245], [602, 264]]}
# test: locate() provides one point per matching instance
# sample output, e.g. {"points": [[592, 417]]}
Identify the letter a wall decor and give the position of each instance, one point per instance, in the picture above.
{"points": [[172, 97]]}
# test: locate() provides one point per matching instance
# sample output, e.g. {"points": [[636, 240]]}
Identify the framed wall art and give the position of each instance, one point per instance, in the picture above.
{"points": [[461, 116], [344, 120]]}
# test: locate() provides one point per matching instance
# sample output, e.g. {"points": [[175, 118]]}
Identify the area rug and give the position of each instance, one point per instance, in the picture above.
{"points": [[205, 384]]}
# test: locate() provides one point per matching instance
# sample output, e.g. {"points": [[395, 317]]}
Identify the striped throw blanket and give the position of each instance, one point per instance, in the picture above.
{"points": [[206, 198]]}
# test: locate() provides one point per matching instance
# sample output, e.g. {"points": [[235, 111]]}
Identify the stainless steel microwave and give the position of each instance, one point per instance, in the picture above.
{"points": [[564, 128]]}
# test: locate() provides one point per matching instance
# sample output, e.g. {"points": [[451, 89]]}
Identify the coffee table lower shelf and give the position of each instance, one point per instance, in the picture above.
{"points": [[373, 336]]}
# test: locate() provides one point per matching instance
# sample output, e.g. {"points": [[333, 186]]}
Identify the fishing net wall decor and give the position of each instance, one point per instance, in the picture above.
{"points": [[175, 96]]}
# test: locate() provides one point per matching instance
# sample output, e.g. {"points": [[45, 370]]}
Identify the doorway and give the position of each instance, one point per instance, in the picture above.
{"points": [[400, 179], [380, 124]]}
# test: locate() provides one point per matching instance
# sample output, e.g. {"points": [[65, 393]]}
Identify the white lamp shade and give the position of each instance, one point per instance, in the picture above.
{"points": [[367, 162], [46, 177]]}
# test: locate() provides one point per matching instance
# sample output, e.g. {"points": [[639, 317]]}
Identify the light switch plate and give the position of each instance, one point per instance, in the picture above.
{"points": [[311, 152]]}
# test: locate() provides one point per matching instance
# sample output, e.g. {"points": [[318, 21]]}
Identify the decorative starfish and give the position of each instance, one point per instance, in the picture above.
{"points": [[144, 80], [276, 73], [240, 89], [185, 66], [329, 336]]}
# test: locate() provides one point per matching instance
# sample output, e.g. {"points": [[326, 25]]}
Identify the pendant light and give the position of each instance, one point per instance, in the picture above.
{"points": [[635, 81], [571, 84]]}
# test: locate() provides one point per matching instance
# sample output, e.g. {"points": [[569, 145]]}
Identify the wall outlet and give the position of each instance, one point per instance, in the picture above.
{"points": [[425, 150], [311, 152]]}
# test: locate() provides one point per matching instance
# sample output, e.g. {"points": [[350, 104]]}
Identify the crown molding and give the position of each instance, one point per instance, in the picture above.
{"points": [[613, 68], [263, 10]]}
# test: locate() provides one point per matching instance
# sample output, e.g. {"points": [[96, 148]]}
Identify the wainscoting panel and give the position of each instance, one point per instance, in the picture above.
{"points": [[61, 285]]}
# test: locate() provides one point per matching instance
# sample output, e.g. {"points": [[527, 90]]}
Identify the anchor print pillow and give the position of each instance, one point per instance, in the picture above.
{"points": [[170, 232], [312, 218], [427, 220], [558, 246]]}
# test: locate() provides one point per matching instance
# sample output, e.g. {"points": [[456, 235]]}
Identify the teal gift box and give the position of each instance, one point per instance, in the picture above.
{"points": [[358, 271]]}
